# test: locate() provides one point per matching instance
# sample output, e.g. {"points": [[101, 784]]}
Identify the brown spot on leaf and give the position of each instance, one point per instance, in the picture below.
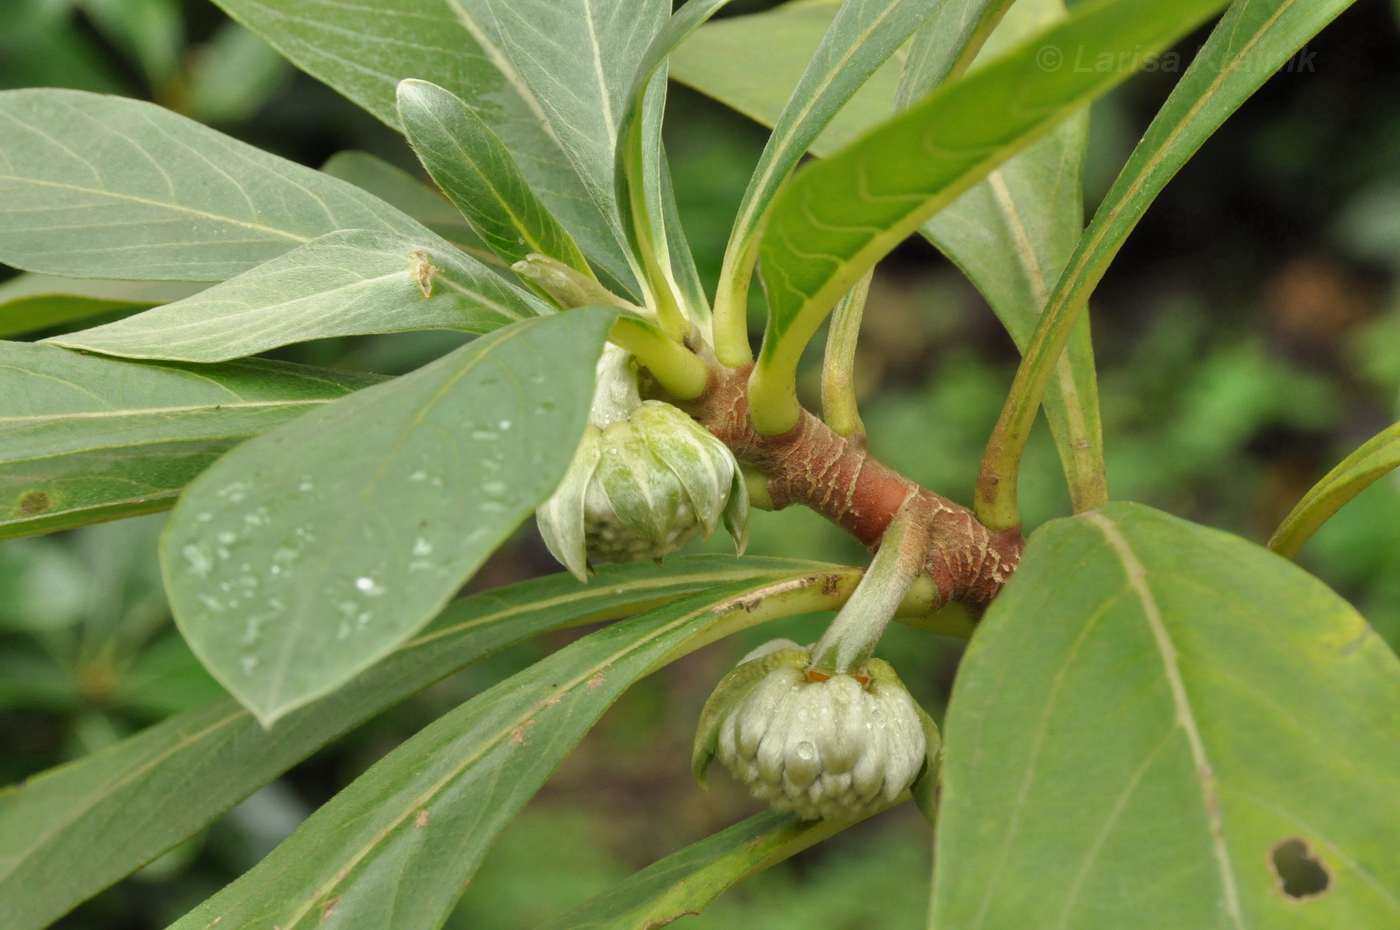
{"points": [[423, 271], [420, 820], [328, 909], [518, 736], [597, 679], [663, 921], [35, 502], [1299, 871]]}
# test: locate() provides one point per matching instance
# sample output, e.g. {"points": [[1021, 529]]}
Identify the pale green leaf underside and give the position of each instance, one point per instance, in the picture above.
{"points": [[364, 50], [31, 302], [348, 283], [479, 175], [1147, 709], [1357, 472], [105, 187], [311, 552], [85, 438], [399, 189], [394, 850], [70, 832], [838, 217]]}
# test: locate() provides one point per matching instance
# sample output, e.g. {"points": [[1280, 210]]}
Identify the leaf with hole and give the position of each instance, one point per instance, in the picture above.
{"points": [[838, 217], [72, 831], [1155, 724], [395, 849], [169, 200], [310, 553], [85, 438], [347, 283]]}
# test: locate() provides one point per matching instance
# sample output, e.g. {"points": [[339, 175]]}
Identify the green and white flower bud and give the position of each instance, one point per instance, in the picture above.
{"points": [[832, 747], [646, 480]]}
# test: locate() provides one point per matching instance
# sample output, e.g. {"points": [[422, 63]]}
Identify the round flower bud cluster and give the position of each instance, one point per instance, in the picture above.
{"points": [[833, 747], [646, 480]]}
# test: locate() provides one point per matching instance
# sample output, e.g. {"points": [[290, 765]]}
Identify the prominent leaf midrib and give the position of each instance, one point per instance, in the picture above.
{"points": [[697, 580], [159, 204], [609, 120], [491, 742], [1136, 575], [160, 411], [79, 811]]}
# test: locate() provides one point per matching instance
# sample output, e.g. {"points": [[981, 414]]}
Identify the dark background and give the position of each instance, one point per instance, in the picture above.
{"points": [[1248, 339]]}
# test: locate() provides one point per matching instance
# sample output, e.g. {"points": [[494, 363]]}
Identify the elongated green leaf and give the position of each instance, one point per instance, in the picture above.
{"points": [[233, 76], [104, 187], [840, 216], [70, 832], [478, 174], [343, 284], [863, 34], [1357, 472], [753, 63], [1253, 40], [32, 302], [84, 438], [947, 41], [365, 50], [310, 553], [394, 850], [687, 882], [578, 58], [1013, 234], [1155, 723], [398, 188]]}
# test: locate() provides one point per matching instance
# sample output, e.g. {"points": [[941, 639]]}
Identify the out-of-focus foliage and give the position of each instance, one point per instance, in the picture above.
{"points": [[1249, 339]]}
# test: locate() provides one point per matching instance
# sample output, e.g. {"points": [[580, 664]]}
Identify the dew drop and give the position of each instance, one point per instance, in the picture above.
{"points": [[422, 547], [494, 487], [503, 425], [306, 485], [485, 435], [227, 537], [806, 751], [205, 517], [249, 663], [369, 586], [418, 476], [198, 559]]}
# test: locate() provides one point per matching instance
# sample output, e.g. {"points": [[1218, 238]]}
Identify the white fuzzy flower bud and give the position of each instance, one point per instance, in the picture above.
{"points": [[645, 480], [834, 747]]}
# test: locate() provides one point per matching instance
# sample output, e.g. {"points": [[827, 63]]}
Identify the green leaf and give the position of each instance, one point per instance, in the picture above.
{"points": [[1013, 234], [946, 43], [148, 30], [838, 217], [1152, 718], [753, 63], [233, 76], [863, 34], [1357, 472], [394, 850], [169, 199], [478, 174], [364, 50], [72, 831], [313, 551], [1253, 40], [687, 882], [32, 302], [84, 438], [579, 59], [1011, 239], [347, 283], [398, 188]]}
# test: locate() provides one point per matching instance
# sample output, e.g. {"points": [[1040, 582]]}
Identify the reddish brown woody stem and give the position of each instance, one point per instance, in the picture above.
{"points": [[838, 479]]}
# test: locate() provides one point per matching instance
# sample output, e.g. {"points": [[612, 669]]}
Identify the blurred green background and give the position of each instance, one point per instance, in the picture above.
{"points": [[1249, 337]]}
